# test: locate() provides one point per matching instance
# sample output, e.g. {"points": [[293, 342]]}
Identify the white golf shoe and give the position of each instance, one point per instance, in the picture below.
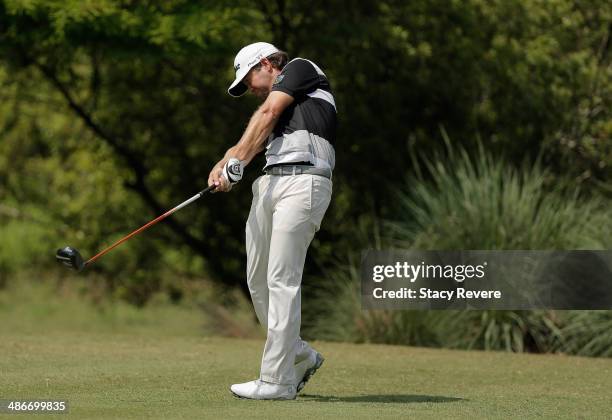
{"points": [[307, 367], [261, 390]]}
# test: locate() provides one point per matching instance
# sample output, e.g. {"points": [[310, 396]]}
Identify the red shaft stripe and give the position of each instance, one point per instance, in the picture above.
{"points": [[136, 232], [151, 223]]}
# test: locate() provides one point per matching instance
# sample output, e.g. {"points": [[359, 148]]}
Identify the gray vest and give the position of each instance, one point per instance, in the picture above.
{"points": [[300, 146]]}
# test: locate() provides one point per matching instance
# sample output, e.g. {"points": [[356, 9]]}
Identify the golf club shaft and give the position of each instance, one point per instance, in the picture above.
{"points": [[151, 223]]}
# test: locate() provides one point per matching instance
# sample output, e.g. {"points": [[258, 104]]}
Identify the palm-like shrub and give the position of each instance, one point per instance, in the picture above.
{"points": [[485, 203], [457, 201], [586, 333]]}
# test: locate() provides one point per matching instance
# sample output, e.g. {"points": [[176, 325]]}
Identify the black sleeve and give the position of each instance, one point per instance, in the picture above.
{"points": [[298, 78]]}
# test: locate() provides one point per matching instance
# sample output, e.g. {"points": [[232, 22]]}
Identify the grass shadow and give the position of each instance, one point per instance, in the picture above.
{"points": [[385, 398]]}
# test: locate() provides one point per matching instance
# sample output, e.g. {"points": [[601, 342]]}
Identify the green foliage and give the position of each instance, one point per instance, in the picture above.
{"points": [[88, 68], [586, 333], [484, 203], [113, 111], [23, 245], [517, 331], [333, 312], [476, 203]]}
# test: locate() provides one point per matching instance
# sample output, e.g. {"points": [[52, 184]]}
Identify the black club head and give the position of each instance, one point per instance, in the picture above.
{"points": [[70, 257]]}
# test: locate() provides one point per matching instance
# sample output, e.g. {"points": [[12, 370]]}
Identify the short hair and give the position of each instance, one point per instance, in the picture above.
{"points": [[278, 59]]}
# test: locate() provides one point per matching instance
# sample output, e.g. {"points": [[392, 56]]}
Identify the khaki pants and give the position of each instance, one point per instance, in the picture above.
{"points": [[285, 214]]}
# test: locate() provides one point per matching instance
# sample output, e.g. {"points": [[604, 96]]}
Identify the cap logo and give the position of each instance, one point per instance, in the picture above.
{"points": [[236, 67]]}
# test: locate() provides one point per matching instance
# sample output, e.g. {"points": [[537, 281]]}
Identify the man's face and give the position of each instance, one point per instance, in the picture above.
{"points": [[259, 80]]}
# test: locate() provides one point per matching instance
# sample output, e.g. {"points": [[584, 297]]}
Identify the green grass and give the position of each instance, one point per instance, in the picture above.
{"points": [[125, 376], [140, 364], [57, 301]]}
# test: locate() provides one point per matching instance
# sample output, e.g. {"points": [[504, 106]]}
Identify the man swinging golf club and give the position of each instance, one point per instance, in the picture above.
{"points": [[296, 124]]}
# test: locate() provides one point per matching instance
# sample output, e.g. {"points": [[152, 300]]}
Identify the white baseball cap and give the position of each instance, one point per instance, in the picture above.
{"points": [[246, 58]]}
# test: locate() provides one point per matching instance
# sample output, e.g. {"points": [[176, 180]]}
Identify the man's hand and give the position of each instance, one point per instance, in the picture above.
{"points": [[226, 175], [216, 178]]}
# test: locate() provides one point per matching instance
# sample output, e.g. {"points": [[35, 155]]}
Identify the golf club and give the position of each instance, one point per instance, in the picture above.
{"points": [[70, 257]]}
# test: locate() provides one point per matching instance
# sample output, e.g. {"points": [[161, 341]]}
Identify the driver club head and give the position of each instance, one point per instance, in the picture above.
{"points": [[70, 257]]}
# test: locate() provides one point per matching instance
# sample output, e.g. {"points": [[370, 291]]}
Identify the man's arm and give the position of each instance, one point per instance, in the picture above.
{"points": [[252, 141]]}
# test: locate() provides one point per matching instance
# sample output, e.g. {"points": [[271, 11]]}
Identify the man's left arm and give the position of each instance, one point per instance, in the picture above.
{"points": [[252, 141]]}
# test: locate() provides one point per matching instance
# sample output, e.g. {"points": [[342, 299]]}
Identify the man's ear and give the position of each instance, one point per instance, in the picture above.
{"points": [[265, 63]]}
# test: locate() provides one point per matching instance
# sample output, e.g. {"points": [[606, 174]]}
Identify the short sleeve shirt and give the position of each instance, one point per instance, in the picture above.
{"points": [[314, 107]]}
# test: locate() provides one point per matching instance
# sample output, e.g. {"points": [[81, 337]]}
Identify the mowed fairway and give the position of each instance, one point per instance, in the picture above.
{"points": [[122, 376], [162, 362]]}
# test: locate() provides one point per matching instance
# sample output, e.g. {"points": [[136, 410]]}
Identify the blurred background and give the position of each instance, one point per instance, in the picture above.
{"points": [[462, 125]]}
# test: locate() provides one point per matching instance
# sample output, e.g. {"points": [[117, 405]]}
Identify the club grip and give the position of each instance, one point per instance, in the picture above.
{"points": [[207, 189]]}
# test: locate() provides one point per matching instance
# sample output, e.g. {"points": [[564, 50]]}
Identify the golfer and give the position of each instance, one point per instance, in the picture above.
{"points": [[296, 126]]}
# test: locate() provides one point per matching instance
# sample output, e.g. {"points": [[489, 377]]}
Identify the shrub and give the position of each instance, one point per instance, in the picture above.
{"points": [[461, 202]]}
